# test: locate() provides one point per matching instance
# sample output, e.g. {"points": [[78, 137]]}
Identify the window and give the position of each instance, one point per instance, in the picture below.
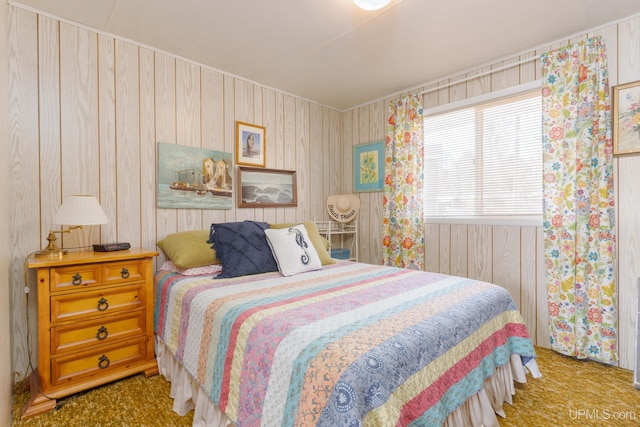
{"points": [[485, 160]]}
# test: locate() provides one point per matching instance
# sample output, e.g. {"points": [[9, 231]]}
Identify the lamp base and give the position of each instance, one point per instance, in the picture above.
{"points": [[52, 249], [52, 254]]}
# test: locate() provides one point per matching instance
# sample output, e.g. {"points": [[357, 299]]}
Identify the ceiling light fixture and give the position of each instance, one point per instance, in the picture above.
{"points": [[371, 4]]}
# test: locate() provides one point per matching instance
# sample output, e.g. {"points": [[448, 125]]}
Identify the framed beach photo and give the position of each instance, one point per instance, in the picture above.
{"points": [[262, 188], [250, 144], [368, 167], [626, 118], [193, 178]]}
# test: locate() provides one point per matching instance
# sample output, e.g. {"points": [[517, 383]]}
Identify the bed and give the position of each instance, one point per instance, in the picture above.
{"points": [[343, 343]]}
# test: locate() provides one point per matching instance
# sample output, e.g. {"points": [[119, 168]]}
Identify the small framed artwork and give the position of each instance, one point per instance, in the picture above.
{"points": [[263, 188], [193, 178], [368, 167], [626, 118], [250, 144]]}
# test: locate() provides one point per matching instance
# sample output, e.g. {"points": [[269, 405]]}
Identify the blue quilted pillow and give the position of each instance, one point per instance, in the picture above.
{"points": [[242, 248]]}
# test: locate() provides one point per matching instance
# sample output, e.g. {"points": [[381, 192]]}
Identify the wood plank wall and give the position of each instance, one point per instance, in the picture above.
{"points": [[86, 113], [6, 372], [512, 256]]}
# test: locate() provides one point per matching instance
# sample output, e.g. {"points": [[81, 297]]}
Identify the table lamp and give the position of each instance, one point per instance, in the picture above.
{"points": [[76, 211]]}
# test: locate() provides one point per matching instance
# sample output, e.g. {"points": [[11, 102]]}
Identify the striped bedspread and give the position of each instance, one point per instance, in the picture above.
{"points": [[351, 344]]}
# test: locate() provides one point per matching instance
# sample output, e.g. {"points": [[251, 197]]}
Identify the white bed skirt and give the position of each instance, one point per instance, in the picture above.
{"points": [[478, 411]]}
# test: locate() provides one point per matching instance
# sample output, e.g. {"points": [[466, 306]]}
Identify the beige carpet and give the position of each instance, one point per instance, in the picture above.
{"points": [[570, 393]]}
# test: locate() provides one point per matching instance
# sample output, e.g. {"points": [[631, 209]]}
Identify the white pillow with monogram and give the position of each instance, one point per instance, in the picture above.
{"points": [[293, 250]]}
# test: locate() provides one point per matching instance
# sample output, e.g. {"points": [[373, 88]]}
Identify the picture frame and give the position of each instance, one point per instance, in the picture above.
{"points": [[368, 167], [250, 144], [263, 188], [193, 178], [626, 118]]}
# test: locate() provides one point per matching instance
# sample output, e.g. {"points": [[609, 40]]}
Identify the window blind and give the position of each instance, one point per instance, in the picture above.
{"points": [[485, 160]]}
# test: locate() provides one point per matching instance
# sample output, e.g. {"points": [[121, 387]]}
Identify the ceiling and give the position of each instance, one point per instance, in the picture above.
{"points": [[333, 53]]}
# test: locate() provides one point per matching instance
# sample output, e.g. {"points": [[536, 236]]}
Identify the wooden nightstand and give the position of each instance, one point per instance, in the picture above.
{"points": [[95, 322]]}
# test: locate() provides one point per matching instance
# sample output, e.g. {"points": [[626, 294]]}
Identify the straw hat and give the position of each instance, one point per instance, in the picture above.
{"points": [[343, 207]]}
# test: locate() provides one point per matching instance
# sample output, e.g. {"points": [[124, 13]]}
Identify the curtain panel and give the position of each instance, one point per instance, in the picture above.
{"points": [[403, 211], [578, 219]]}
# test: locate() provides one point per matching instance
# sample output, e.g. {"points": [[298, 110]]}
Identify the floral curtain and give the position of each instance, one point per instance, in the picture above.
{"points": [[403, 241], [578, 221]]}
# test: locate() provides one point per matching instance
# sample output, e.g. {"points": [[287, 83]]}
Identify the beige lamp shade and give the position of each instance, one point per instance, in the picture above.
{"points": [[80, 210]]}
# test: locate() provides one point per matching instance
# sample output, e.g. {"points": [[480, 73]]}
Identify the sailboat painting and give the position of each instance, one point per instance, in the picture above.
{"points": [[193, 178]]}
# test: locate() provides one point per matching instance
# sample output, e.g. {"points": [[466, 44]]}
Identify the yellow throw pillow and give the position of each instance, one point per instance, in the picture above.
{"points": [[188, 249], [320, 244]]}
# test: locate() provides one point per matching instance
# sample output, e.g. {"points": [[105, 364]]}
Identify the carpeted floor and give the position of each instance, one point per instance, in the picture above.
{"points": [[131, 402], [570, 393], [574, 392]]}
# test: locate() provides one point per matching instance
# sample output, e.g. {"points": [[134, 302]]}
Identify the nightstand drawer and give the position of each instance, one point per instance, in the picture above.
{"points": [[78, 336], [123, 272], [101, 361], [90, 304], [75, 277]]}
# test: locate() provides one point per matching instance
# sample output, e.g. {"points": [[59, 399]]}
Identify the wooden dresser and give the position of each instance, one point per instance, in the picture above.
{"points": [[95, 322]]}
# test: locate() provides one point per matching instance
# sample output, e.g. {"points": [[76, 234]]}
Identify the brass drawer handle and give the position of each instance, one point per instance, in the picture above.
{"points": [[76, 279], [124, 273], [102, 333], [103, 304], [103, 362]]}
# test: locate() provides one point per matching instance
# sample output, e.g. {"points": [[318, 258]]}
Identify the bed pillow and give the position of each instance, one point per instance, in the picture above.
{"points": [[293, 250], [212, 269], [319, 243], [242, 248], [189, 249]]}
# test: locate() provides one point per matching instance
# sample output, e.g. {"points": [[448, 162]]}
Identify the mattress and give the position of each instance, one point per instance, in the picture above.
{"points": [[350, 344]]}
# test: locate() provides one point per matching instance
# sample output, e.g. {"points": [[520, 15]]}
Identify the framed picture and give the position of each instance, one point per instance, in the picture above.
{"points": [[262, 188], [626, 118], [250, 145], [193, 178], [368, 167]]}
